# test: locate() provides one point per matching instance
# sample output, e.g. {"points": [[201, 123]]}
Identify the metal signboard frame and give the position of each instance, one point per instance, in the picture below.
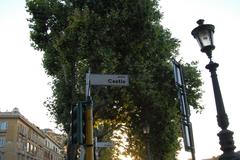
{"points": [[184, 107]]}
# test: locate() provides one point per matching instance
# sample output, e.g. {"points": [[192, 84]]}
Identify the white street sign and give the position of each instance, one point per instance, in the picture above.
{"points": [[108, 80], [104, 144]]}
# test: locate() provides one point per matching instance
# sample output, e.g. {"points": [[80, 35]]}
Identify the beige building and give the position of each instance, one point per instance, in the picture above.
{"points": [[58, 139], [22, 140]]}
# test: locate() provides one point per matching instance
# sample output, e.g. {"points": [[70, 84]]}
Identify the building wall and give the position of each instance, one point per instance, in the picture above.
{"points": [[8, 135], [22, 140], [53, 150]]}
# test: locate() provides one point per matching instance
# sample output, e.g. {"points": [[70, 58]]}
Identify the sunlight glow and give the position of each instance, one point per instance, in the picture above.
{"points": [[122, 157], [122, 149]]}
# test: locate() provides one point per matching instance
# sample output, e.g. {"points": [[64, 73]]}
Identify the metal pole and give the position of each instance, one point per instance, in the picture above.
{"points": [[193, 153], [96, 149], [89, 121], [148, 149], [88, 88], [82, 152], [225, 135], [89, 133]]}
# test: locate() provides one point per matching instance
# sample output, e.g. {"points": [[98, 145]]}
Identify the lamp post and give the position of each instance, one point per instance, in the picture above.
{"points": [[204, 35], [146, 131]]}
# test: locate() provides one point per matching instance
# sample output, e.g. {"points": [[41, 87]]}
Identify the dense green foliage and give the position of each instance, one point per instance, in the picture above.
{"points": [[114, 37]]}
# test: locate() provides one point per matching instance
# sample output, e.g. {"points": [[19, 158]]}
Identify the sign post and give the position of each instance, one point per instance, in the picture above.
{"points": [[89, 132], [105, 80], [184, 108]]}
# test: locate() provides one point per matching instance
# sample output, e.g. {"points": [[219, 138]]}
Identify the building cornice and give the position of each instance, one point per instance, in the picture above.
{"points": [[18, 115]]}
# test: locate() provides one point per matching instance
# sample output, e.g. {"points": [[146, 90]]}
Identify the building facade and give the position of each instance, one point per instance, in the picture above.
{"points": [[52, 150], [22, 140]]}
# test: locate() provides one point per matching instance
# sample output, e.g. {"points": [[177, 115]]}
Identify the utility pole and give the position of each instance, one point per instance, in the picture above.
{"points": [[89, 132]]}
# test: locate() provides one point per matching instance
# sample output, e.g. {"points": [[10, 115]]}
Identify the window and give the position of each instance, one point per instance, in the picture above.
{"points": [[31, 148], [35, 150], [2, 141], [28, 147], [22, 130], [3, 125]]}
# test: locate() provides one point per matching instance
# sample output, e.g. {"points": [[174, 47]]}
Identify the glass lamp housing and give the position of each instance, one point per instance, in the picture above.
{"points": [[204, 36], [146, 128]]}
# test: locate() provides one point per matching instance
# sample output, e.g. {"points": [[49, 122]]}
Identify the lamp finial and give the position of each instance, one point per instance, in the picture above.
{"points": [[200, 22]]}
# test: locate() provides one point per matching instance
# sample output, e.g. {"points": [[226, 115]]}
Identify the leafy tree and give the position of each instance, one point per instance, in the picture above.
{"points": [[117, 37]]}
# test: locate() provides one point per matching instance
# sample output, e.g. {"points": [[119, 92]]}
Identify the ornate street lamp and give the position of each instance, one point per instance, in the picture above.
{"points": [[204, 35]]}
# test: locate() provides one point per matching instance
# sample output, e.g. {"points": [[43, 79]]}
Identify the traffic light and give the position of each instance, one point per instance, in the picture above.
{"points": [[82, 123], [76, 112], [78, 122]]}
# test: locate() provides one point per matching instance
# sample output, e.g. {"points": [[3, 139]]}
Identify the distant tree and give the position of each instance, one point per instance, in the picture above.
{"points": [[117, 37]]}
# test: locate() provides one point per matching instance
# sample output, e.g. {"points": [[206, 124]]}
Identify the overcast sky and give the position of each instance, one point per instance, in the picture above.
{"points": [[24, 84]]}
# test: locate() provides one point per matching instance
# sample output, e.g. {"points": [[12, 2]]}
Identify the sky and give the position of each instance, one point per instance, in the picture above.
{"points": [[24, 84]]}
